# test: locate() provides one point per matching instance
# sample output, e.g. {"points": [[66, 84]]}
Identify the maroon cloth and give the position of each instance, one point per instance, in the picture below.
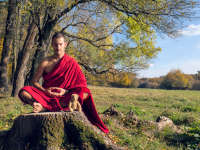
{"points": [[67, 75]]}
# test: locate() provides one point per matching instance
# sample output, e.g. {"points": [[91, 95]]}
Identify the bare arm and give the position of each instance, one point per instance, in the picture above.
{"points": [[51, 91], [38, 75]]}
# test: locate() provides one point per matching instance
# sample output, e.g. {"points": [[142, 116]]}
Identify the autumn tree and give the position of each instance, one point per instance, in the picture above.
{"points": [[175, 79], [153, 83], [7, 43], [126, 79]]}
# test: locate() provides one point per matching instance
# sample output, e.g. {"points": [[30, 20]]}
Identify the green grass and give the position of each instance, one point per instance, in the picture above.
{"points": [[149, 101], [182, 106], [10, 108]]}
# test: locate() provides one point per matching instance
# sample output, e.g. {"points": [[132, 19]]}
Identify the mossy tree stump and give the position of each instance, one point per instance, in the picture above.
{"points": [[54, 131]]}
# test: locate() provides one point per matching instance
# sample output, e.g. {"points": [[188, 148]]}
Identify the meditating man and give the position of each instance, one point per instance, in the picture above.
{"points": [[63, 84]]}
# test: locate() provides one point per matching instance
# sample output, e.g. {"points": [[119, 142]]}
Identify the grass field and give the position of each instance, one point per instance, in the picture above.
{"points": [[181, 106]]}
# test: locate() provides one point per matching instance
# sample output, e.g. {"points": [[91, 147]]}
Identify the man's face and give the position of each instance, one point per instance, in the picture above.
{"points": [[59, 45]]}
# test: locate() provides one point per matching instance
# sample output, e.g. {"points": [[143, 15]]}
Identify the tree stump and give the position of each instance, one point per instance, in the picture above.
{"points": [[54, 131]]}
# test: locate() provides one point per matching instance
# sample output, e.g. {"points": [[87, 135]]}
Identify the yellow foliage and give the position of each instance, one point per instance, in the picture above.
{"points": [[9, 70], [177, 80], [10, 64], [1, 46], [126, 81], [101, 53]]}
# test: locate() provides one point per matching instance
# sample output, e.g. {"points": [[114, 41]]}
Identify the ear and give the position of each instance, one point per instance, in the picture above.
{"points": [[66, 43]]}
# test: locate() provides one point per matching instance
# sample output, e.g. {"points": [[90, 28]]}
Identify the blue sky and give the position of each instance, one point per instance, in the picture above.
{"points": [[182, 53]]}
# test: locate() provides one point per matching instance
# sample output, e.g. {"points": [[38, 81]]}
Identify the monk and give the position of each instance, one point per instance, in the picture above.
{"points": [[63, 83]]}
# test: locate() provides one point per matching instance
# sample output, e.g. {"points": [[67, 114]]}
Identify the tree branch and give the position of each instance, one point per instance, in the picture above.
{"points": [[92, 42], [87, 40], [93, 70], [68, 9], [75, 24], [114, 5]]}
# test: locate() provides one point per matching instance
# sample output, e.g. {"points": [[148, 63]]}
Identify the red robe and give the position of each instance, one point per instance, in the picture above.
{"points": [[67, 75]]}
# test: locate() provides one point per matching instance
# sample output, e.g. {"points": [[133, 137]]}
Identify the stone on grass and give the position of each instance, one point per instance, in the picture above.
{"points": [[163, 122], [112, 111]]}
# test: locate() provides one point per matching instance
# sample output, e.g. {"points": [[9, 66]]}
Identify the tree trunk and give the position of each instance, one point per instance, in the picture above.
{"points": [[7, 44], [16, 43], [54, 131], [41, 51], [23, 58], [4, 11]]}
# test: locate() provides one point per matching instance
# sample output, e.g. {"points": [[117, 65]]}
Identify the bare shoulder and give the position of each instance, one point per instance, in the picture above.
{"points": [[45, 61]]}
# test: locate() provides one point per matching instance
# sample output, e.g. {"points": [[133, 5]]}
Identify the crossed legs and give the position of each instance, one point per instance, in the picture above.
{"points": [[28, 99], [37, 107]]}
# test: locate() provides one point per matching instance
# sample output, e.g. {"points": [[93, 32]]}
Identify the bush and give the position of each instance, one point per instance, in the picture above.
{"points": [[196, 85], [153, 83], [147, 84], [175, 79]]}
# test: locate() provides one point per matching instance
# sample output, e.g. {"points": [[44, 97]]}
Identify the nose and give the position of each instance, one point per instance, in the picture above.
{"points": [[57, 47]]}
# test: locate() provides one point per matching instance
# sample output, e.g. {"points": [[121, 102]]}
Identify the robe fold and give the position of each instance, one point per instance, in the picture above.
{"points": [[67, 75]]}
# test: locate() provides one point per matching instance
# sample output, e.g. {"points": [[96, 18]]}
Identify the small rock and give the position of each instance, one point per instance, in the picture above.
{"points": [[111, 111], [163, 122]]}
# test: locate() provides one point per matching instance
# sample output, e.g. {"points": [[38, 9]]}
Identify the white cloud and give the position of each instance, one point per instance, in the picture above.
{"points": [[191, 30]]}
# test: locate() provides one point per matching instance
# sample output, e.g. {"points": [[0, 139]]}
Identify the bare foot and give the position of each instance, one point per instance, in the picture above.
{"points": [[37, 107]]}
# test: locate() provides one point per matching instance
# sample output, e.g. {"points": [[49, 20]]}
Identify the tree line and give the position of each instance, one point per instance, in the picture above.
{"points": [[173, 80], [91, 28]]}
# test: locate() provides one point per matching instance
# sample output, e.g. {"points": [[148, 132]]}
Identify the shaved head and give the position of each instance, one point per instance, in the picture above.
{"points": [[58, 35]]}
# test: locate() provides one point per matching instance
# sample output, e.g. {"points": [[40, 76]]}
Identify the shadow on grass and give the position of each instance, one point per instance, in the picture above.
{"points": [[181, 139], [1, 97]]}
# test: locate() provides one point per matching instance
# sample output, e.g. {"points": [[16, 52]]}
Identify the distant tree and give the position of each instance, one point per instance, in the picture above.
{"points": [[134, 82], [153, 83], [196, 81], [175, 79], [196, 85], [124, 79], [197, 75]]}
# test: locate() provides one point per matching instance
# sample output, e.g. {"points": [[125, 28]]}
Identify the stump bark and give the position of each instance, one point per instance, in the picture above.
{"points": [[54, 131]]}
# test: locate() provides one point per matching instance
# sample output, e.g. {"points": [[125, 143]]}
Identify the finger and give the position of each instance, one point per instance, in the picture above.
{"points": [[58, 94], [71, 105], [77, 105], [64, 92], [52, 94], [54, 87], [55, 94], [58, 88], [50, 88], [74, 105]]}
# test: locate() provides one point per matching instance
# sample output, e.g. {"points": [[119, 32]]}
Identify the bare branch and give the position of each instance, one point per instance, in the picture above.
{"points": [[87, 40], [75, 24], [92, 42], [68, 9], [93, 70], [113, 31], [158, 11], [114, 5]]}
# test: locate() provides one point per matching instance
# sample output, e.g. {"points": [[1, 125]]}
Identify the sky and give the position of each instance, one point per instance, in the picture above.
{"points": [[182, 52]]}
